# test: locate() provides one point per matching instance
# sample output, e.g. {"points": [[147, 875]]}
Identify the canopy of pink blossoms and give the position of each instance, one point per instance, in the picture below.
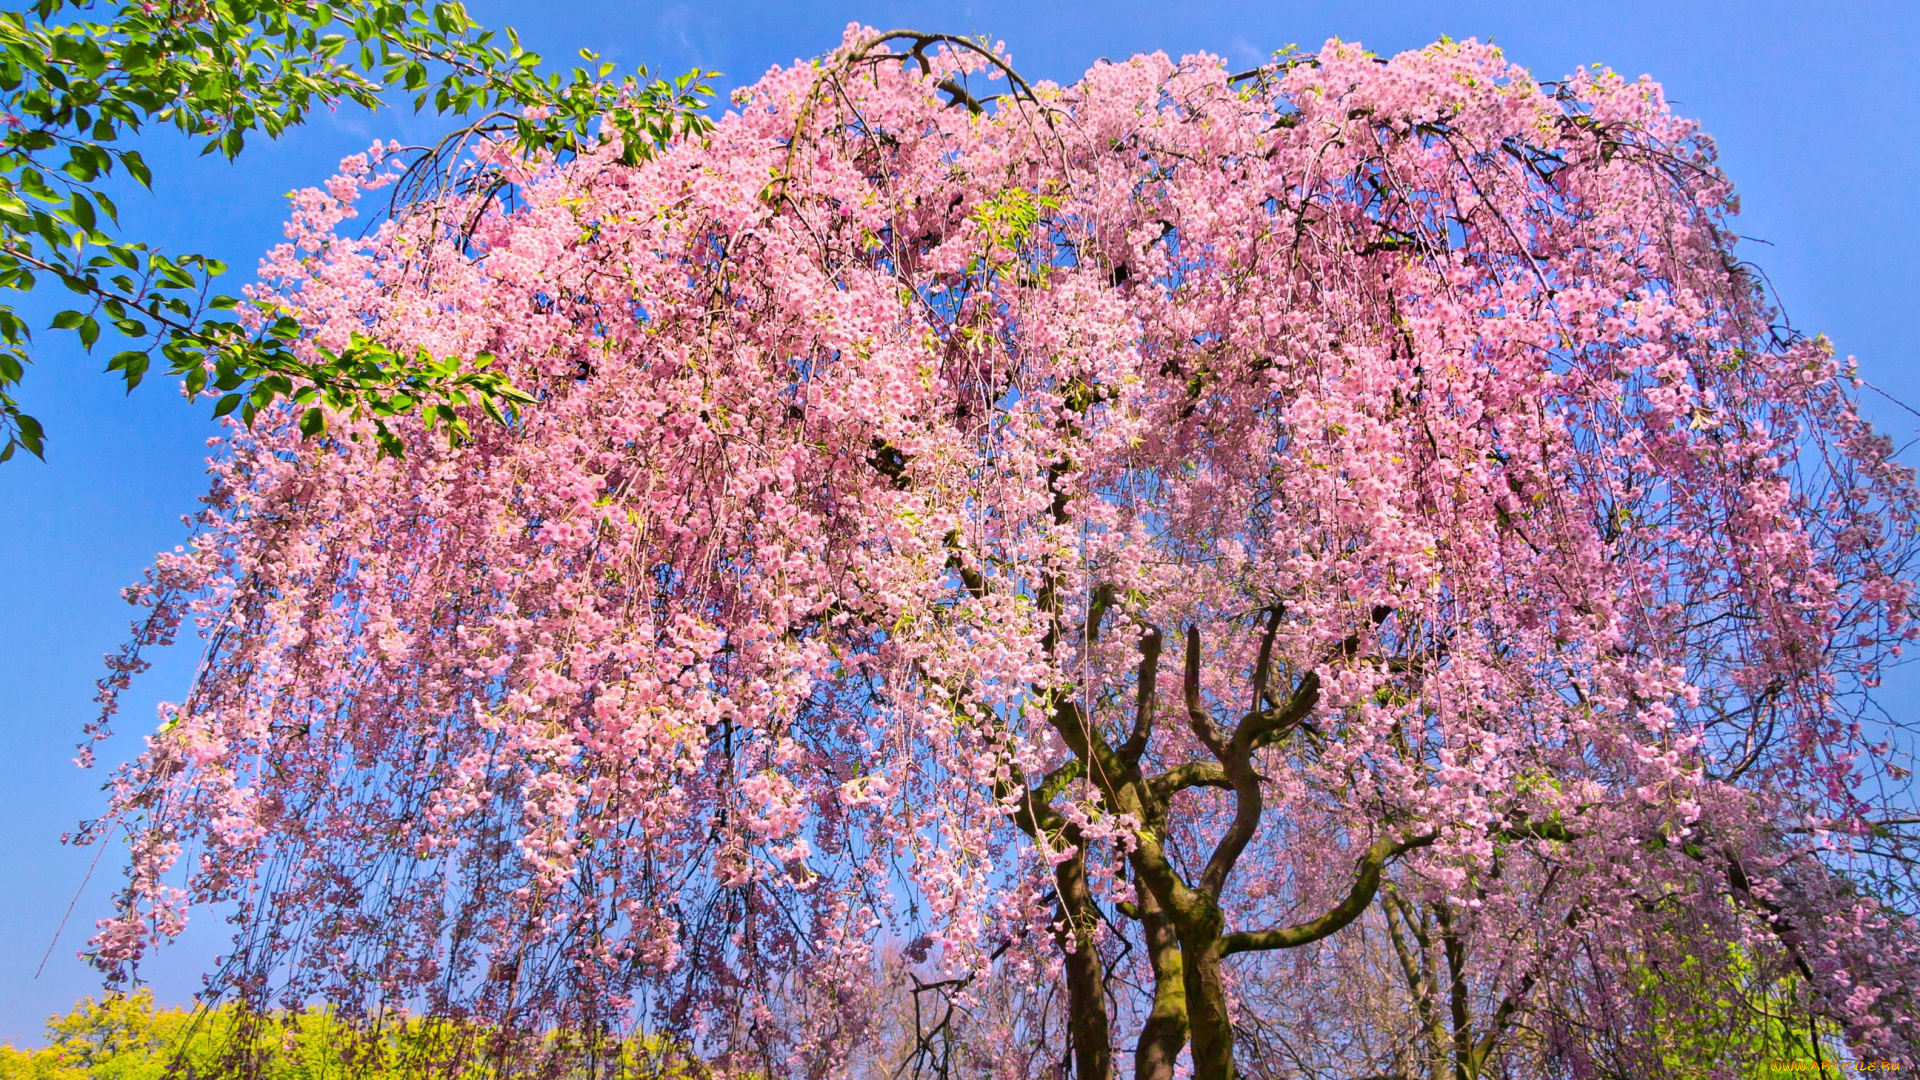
{"points": [[1187, 483]]}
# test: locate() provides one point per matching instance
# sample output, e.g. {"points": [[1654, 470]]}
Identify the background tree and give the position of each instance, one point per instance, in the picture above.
{"points": [[126, 1037], [75, 92], [1097, 538]]}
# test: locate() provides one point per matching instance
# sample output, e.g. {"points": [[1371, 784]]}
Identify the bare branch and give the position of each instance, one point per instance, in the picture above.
{"points": [[1146, 698]]}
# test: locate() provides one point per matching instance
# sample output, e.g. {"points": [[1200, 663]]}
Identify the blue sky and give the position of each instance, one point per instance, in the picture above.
{"points": [[1815, 108]]}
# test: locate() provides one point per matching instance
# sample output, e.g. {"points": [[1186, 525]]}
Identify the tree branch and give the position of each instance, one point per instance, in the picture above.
{"points": [[1264, 665], [1191, 775], [1197, 716], [1268, 726], [1366, 884], [1146, 698]]}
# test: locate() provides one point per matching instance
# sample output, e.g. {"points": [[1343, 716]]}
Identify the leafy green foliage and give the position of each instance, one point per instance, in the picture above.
{"points": [[1760, 1022], [365, 379], [127, 1038], [74, 91]]}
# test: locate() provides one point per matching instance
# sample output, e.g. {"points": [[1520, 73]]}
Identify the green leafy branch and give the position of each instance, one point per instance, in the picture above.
{"points": [[72, 91], [366, 380]]}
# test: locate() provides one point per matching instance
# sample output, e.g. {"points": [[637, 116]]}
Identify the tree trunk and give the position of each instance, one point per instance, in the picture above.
{"points": [[1458, 1007], [1209, 1025], [1086, 981], [1165, 1032]]}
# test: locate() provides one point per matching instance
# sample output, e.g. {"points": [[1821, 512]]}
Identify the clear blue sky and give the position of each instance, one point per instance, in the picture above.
{"points": [[1814, 105]]}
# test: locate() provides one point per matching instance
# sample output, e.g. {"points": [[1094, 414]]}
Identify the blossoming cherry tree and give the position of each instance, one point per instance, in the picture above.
{"points": [[1112, 536]]}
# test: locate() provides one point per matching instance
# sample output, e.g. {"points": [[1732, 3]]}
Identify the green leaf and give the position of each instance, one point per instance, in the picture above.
{"points": [[29, 435], [132, 364], [137, 168], [389, 443]]}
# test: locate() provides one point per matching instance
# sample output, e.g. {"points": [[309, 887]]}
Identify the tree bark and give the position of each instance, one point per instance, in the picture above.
{"points": [[1165, 1032], [1209, 1023], [1420, 981], [1086, 979], [1458, 1006]]}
